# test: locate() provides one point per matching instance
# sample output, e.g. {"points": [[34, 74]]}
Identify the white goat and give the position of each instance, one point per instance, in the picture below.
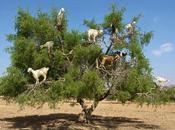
{"points": [[130, 27], [37, 73], [160, 82], [60, 17], [94, 33], [48, 45], [161, 79]]}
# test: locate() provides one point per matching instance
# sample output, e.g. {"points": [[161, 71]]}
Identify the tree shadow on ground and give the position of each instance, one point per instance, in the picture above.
{"points": [[69, 121]]}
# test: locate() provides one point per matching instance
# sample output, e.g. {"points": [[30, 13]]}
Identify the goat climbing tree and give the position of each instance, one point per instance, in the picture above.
{"points": [[73, 70]]}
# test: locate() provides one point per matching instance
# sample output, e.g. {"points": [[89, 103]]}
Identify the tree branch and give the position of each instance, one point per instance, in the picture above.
{"points": [[105, 95], [82, 103], [107, 51], [66, 55]]}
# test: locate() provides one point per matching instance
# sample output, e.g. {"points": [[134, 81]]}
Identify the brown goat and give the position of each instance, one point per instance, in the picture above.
{"points": [[110, 59]]}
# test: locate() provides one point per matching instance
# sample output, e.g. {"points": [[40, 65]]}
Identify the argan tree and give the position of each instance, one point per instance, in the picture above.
{"points": [[75, 64]]}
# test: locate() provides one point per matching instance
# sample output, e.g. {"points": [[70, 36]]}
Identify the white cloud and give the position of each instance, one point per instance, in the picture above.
{"points": [[164, 48], [156, 52]]}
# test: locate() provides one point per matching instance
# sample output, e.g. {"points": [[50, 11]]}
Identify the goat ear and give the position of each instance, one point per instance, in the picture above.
{"points": [[118, 52], [124, 54]]}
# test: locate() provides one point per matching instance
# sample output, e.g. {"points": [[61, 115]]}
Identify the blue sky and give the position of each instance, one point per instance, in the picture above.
{"points": [[158, 16]]}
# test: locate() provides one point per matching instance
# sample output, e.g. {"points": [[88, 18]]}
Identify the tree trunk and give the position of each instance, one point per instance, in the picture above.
{"points": [[109, 48], [85, 115]]}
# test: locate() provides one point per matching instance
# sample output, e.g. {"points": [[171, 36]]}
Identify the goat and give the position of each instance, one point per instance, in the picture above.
{"points": [[160, 82], [48, 45], [130, 27], [37, 73], [111, 59], [59, 19], [160, 79], [93, 33], [115, 37], [114, 31]]}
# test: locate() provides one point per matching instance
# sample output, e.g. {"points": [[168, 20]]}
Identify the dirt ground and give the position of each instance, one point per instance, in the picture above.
{"points": [[108, 115]]}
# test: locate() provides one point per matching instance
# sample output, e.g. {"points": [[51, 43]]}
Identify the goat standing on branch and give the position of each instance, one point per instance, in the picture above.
{"points": [[114, 31], [115, 38], [37, 73], [48, 45], [111, 59], [160, 82], [161, 79], [93, 33], [59, 19], [130, 27]]}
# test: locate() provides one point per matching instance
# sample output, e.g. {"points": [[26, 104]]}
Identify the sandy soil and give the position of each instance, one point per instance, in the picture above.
{"points": [[108, 115]]}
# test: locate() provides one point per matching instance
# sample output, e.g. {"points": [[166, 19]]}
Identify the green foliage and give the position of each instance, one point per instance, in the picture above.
{"points": [[24, 24], [146, 37], [115, 17], [72, 85], [59, 61], [66, 78], [12, 83], [37, 98], [91, 24], [87, 54], [41, 59], [23, 53], [138, 58], [72, 39], [170, 92], [123, 96], [138, 83], [157, 97], [93, 85]]}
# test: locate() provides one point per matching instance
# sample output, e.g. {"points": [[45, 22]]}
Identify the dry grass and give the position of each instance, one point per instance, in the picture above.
{"points": [[108, 115]]}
